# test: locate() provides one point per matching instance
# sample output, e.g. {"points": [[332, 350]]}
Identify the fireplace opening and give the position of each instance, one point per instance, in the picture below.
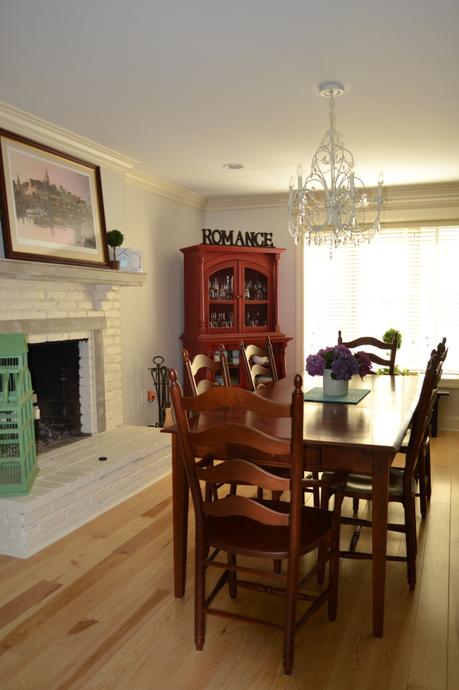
{"points": [[55, 373]]}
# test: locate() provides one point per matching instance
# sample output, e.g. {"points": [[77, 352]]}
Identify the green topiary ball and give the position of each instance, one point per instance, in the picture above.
{"points": [[389, 336], [115, 238]]}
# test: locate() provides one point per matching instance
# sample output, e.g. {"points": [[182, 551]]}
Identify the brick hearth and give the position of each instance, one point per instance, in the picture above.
{"points": [[73, 486]]}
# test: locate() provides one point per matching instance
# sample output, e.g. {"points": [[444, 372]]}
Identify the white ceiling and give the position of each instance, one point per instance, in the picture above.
{"points": [[187, 86]]}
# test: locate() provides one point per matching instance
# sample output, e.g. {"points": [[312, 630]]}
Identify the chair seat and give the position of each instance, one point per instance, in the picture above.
{"points": [[241, 535], [361, 484]]}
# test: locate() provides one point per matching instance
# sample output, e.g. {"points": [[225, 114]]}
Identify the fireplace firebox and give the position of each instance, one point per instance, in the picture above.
{"points": [[55, 372]]}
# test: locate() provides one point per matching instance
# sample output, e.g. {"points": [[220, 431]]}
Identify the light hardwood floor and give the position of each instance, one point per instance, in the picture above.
{"points": [[96, 611]]}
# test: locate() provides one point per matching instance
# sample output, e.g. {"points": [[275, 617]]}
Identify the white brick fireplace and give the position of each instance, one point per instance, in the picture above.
{"points": [[53, 302]]}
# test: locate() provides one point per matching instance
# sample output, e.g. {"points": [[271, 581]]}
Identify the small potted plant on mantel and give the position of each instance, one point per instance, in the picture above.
{"points": [[114, 239]]}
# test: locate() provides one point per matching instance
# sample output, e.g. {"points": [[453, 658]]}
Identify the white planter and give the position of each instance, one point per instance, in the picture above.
{"points": [[332, 386]]}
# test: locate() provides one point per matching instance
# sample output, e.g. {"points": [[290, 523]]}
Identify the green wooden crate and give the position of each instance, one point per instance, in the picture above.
{"points": [[18, 463]]}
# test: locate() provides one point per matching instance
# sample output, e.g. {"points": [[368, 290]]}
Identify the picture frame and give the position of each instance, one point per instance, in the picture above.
{"points": [[52, 206]]}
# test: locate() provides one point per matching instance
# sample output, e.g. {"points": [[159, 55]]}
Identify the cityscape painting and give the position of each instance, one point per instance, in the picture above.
{"points": [[52, 205]]}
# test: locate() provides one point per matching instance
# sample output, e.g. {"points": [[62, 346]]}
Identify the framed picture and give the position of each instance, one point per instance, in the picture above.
{"points": [[52, 206]]}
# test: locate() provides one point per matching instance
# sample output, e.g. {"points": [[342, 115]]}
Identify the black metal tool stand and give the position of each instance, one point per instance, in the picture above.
{"points": [[159, 374]]}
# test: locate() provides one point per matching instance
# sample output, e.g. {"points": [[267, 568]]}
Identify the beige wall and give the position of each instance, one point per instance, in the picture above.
{"points": [[152, 316]]}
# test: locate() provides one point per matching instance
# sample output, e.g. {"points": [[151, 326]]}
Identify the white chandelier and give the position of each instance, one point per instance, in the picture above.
{"points": [[331, 206]]}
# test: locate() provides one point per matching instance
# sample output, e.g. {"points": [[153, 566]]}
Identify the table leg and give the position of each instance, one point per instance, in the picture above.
{"points": [[379, 541], [180, 517]]}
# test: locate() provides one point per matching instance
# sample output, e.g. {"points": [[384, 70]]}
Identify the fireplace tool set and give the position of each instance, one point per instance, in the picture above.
{"points": [[159, 374]]}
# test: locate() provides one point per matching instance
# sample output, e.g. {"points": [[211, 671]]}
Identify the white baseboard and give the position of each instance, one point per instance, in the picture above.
{"points": [[448, 424]]}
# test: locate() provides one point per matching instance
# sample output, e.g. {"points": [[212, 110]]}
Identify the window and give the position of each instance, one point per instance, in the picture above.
{"points": [[405, 279]]}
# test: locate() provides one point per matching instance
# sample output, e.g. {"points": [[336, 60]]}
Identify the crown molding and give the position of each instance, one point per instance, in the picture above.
{"points": [[28, 125], [25, 124], [222, 203], [435, 203], [438, 201], [165, 189], [428, 194]]}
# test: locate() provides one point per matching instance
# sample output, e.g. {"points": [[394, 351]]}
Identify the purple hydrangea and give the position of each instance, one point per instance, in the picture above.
{"points": [[315, 365], [343, 363], [364, 363]]}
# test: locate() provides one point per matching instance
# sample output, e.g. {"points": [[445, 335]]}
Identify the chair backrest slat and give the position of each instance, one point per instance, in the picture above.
{"points": [[247, 436], [370, 341], [220, 396], [259, 362], [246, 507], [242, 471]]}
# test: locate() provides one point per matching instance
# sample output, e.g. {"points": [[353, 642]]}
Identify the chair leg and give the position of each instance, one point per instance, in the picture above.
{"points": [[322, 550], [290, 615], [232, 579], [358, 528], [422, 483], [334, 574], [410, 526], [277, 564], [428, 472], [355, 537], [276, 496], [199, 596], [315, 490]]}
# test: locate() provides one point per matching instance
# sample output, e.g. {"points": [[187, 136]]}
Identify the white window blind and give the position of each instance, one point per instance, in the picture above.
{"points": [[406, 278]]}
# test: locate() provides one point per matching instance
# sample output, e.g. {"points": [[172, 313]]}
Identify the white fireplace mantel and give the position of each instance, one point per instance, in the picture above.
{"points": [[37, 270], [57, 302]]}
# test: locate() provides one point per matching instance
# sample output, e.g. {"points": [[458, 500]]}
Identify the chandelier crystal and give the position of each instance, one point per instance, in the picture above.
{"points": [[331, 206]]}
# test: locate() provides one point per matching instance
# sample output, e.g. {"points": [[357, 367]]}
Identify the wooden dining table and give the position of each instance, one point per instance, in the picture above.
{"points": [[362, 438]]}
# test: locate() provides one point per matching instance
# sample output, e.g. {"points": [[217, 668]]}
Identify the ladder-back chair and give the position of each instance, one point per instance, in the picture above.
{"points": [[241, 525], [402, 483], [423, 469], [201, 372]]}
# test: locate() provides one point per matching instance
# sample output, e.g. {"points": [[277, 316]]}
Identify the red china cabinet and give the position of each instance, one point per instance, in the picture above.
{"points": [[231, 294]]}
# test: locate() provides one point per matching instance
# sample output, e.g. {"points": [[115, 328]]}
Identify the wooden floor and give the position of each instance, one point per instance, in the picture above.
{"points": [[96, 610]]}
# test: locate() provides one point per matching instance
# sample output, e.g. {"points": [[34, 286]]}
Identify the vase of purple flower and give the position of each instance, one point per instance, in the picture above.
{"points": [[334, 387], [337, 365]]}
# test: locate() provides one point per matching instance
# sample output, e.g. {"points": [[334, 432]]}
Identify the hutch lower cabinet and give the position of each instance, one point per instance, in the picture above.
{"points": [[231, 294]]}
